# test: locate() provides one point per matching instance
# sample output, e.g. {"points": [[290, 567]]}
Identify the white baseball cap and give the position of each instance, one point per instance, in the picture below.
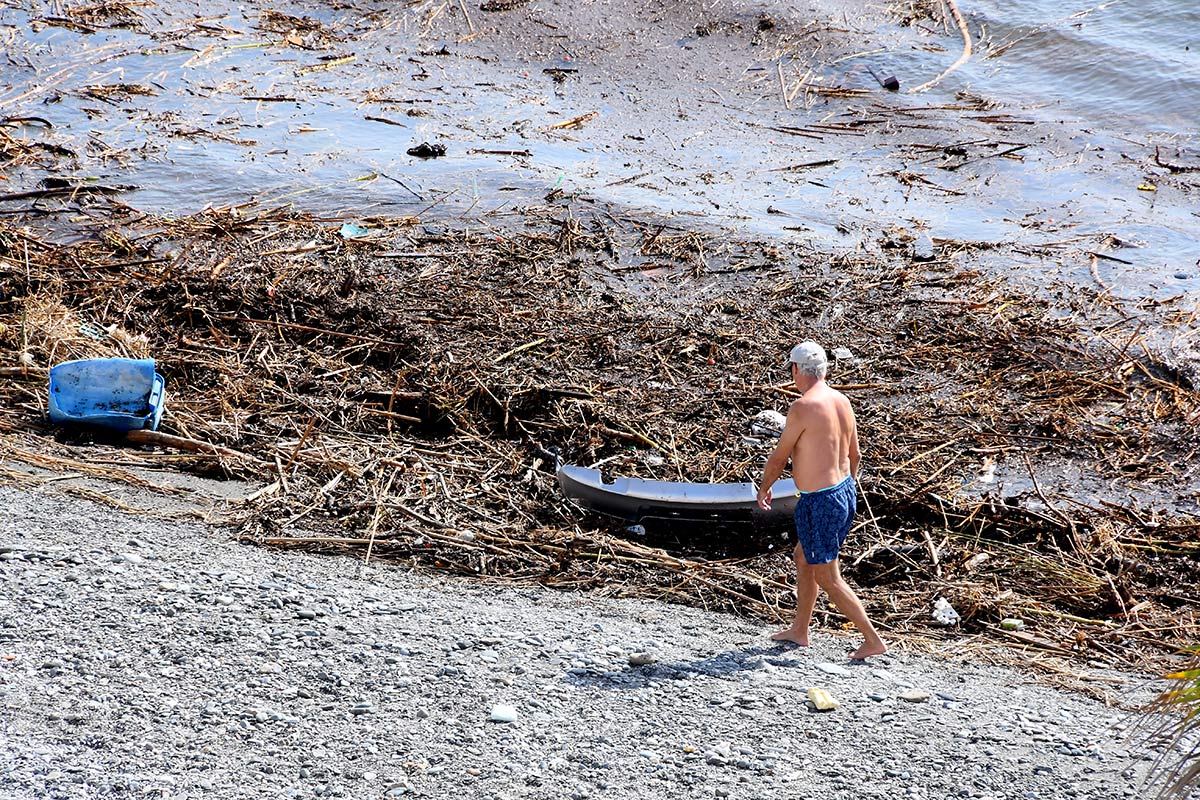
{"points": [[808, 354]]}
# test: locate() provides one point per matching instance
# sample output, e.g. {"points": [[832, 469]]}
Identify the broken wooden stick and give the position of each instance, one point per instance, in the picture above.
{"points": [[183, 443]]}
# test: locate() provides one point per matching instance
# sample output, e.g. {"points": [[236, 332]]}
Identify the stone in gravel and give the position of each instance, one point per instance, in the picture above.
{"points": [[834, 669], [270, 668], [641, 659], [129, 558], [365, 707], [225, 600], [503, 713], [306, 613], [915, 695]]}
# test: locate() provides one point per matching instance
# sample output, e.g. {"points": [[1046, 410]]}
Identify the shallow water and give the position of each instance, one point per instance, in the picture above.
{"points": [[1130, 65]]}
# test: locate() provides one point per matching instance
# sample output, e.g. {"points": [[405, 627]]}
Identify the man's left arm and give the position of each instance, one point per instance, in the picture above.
{"points": [[855, 453]]}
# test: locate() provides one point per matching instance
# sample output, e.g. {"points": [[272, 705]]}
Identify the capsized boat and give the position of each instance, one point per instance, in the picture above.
{"points": [[640, 501]]}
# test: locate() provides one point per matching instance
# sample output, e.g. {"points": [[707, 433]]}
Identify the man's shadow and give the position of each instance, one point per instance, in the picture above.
{"points": [[722, 665]]}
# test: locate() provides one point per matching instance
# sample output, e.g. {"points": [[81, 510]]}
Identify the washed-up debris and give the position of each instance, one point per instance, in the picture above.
{"points": [[427, 150], [122, 394], [384, 432], [768, 422], [944, 613], [821, 699], [502, 5], [574, 122], [350, 230]]}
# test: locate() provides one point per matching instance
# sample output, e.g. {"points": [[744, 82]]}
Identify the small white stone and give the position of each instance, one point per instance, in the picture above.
{"points": [[503, 713], [641, 659], [915, 695], [834, 669]]}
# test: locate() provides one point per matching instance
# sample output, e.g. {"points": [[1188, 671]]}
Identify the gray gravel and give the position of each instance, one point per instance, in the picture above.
{"points": [[158, 659]]}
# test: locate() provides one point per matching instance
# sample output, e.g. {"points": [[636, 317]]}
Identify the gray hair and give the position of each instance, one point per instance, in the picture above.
{"points": [[813, 371]]}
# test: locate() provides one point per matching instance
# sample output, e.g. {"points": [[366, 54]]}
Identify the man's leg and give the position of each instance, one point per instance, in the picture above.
{"points": [[829, 577], [806, 601]]}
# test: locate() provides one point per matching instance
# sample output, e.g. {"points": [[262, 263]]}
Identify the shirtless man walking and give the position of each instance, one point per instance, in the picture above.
{"points": [[821, 440]]}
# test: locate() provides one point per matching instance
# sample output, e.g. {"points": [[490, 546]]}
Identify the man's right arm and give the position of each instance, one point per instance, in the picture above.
{"points": [[778, 459]]}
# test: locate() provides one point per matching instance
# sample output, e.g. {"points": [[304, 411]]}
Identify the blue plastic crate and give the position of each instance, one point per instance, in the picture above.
{"points": [[123, 394]]}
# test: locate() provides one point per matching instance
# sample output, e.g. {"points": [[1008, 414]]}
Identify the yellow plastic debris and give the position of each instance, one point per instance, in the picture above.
{"points": [[1147, 187], [821, 699]]}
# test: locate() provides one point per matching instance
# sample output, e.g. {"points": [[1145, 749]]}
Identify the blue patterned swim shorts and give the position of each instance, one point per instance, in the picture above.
{"points": [[823, 520]]}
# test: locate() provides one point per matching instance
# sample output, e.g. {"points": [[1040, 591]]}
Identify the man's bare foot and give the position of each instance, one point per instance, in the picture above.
{"points": [[790, 635], [868, 650]]}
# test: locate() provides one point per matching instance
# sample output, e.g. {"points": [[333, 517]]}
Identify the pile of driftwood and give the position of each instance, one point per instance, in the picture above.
{"points": [[403, 391]]}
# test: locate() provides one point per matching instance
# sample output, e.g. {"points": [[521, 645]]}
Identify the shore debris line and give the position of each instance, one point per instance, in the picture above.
{"points": [[402, 392]]}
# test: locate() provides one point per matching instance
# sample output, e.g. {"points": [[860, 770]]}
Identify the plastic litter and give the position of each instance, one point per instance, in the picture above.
{"points": [[122, 394], [349, 230], [767, 423], [821, 699], [944, 613]]}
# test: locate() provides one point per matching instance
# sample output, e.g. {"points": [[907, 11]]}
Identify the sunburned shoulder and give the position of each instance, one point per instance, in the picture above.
{"points": [[800, 406], [815, 400], [805, 410]]}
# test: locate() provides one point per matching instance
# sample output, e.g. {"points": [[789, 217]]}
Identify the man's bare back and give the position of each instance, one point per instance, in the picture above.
{"points": [[826, 446]]}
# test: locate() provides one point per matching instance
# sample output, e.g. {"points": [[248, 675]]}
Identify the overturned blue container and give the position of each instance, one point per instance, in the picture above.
{"points": [[123, 394]]}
